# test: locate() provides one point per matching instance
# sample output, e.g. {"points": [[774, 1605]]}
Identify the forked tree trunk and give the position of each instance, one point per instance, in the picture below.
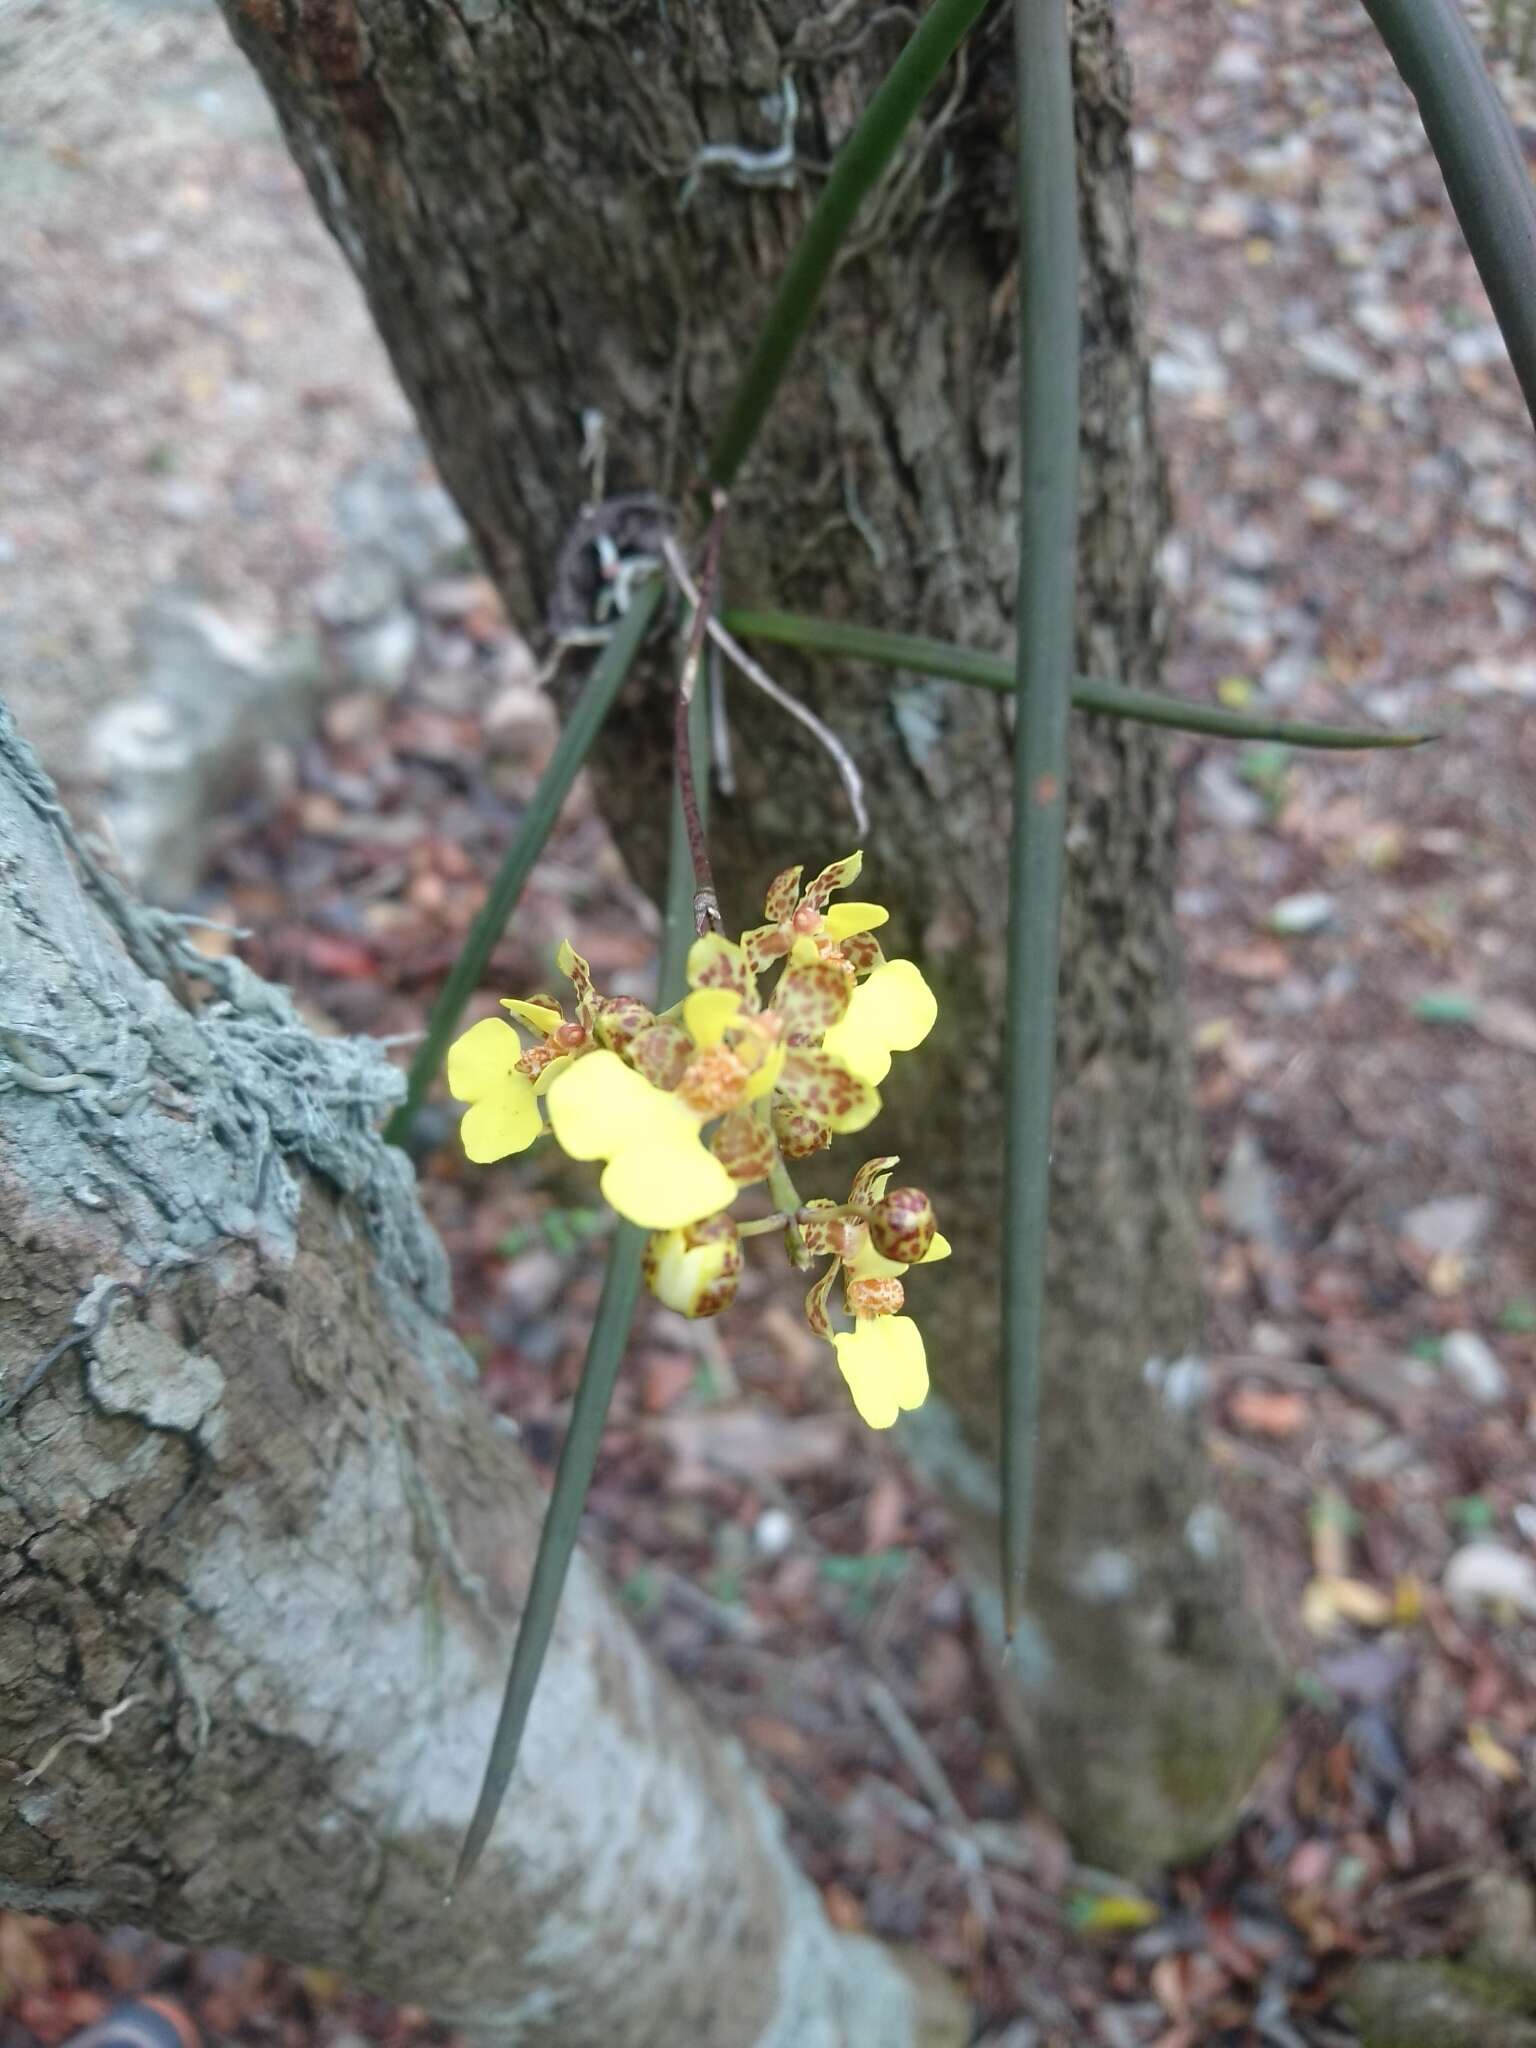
{"points": [[521, 191], [262, 1550]]}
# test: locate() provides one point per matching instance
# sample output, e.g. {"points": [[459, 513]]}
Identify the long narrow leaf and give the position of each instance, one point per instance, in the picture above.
{"points": [[599, 1375], [860, 162], [575, 743], [990, 672], [562, 1524], [1480, 159], [1048, 427]]}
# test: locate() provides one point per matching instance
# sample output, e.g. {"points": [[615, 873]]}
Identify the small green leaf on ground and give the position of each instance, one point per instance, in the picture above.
{"points": [[1446, 1006], [1109, 1912], [1471, 1515]]}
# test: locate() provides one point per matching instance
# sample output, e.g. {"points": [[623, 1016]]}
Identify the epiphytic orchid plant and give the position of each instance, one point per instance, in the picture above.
{"points": [[719, 1089]]}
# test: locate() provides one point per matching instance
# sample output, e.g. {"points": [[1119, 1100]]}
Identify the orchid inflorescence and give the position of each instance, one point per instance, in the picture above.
{"points": [[688, 1109]]}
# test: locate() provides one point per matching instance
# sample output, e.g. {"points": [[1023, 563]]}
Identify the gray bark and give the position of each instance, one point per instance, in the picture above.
{"points": [[262, 1549], [509, 184]]}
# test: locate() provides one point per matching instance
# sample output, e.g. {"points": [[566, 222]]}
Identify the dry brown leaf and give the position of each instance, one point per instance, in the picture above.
{"points": [[885, 1513], [1491, 1753], [1503, 1022], [1263, 961], [1167, 1979], [1329, 1601], [743, 1442], [843, 1909], [1268, 1411], [23, 1963], [780, 1739], [665, 1377]]}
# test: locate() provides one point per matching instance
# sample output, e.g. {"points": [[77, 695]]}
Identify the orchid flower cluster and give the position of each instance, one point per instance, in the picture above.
{"points": [[688, 1109]]}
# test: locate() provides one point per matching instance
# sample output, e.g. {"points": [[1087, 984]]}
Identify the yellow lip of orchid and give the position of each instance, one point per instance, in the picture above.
{"points": [[503, 1114], [893, 1011], [658, 1172], [884, 1361]]}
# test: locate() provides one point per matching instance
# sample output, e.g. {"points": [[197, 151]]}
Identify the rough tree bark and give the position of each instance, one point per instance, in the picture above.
{"points": [[521, 193], [262, 1549]]}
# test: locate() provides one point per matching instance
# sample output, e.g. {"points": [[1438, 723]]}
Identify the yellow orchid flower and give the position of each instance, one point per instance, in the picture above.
{"points": [[893, 1011], [882, 1357], [806, 923], [485, 1070], [695, 1270], [503, 1083], [713, 1059], [810, 998], [686, 1108], [658, 1172]]}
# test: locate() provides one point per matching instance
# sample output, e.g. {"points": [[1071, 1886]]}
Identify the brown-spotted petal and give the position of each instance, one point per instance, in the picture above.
{"points": [[661, 1052], [764, 944], [816, 1301], [579, 974], [864, 1191], [714, 962], [822, 1225], [862, 952], [783, 890], [811, 997], [823, 1087], [743, 1144], [826, 885]]}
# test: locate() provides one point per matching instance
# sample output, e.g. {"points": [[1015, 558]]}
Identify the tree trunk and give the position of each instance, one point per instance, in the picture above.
{"points": [[262, 1549], [521, 193]]}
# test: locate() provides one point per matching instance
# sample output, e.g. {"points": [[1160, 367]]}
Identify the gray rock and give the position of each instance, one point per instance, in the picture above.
{"points": [[1472, 1363], [1329, 355], [358, 590], [1453, 1225], [1491, 1575], [1224, 799], [185, 500], [1502, 1908], [167, 759], [1287, 674], [394, 504], [1432, 2005], [378, 656], [1250, 1193], [1325, 498], [1297, 915], [1477, 347]]}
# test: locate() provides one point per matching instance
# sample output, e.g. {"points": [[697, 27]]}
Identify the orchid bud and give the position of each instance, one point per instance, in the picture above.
{"points": [[799, 1134], [901, 1225]]}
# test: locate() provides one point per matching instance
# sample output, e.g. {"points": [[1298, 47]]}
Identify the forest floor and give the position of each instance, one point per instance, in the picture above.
{"points": [[1355, 497]]}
